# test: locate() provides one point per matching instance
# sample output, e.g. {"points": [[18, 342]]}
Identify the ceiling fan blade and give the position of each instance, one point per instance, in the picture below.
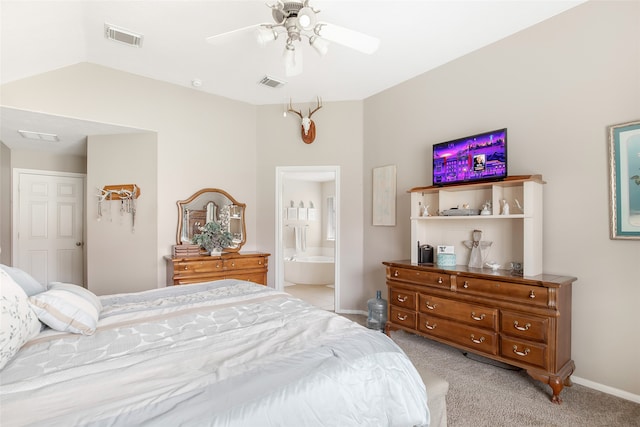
{"points": [[224, 37], [350, 38]]}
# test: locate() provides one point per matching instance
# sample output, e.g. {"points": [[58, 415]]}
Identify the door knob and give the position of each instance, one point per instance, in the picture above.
{"points": [[78, 243]]}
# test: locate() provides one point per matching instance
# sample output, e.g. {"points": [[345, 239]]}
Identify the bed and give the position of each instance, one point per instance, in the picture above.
{"points": [[224, 353]]}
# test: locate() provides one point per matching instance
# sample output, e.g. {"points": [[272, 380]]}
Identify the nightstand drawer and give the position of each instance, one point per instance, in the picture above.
{"points": [[525, 326], [403, 317], [530, 295], [402, 298], [523, 351], [485, 341], [420, 277], [474, 315]]}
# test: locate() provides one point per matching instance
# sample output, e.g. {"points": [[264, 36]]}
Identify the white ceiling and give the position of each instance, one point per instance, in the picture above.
{"points": [[415, 37]]}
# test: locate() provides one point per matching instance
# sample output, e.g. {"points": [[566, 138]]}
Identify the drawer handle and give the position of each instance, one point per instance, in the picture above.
{"points": [[186, 268], [520, 353], [233, 264], [465, 285], [402, 298], [440, 281], [474, 317], [429, 306], [217, 265], [259, 262], [402, 318], [428, 326], [521, 328], [477, 341], [532, 295], [396, 274]]}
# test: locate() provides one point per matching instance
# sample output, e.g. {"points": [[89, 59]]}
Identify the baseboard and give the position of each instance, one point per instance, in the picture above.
{"points": [[606, 389], [362, 312]]}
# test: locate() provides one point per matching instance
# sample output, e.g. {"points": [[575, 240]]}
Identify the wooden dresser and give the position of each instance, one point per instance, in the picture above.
{"points": [[525, 322], [250, 266]]}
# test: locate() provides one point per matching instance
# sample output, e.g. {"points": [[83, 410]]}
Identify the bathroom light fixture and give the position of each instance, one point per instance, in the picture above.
{"points": [[39, 136], [297, 19]]}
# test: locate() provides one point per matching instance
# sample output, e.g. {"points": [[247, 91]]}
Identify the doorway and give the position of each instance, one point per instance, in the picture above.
{"points": [[307, 261], [48, 225]]}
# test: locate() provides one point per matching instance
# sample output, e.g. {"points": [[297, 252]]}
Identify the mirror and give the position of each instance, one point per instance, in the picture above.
{"points": [[207, 205]]}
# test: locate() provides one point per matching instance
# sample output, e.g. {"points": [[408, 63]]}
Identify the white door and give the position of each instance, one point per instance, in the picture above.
{"points": [[49, 221]]}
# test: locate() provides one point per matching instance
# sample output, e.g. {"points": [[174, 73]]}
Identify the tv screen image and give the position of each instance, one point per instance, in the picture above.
{"points": [[481, 157]]}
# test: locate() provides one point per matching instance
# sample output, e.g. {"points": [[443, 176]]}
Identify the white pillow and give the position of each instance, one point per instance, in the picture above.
{"points": [[67, 308], [18, 323], [30, 285]]}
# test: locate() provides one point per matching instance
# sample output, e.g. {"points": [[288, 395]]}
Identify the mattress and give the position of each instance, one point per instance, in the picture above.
{"points": [[224, 353]]}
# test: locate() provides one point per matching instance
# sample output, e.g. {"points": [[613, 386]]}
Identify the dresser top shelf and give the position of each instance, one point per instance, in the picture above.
{"points": [[544, 279]]}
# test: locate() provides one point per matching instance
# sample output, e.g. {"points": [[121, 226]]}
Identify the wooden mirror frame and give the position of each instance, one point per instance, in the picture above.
{"points": [[194, 209]]}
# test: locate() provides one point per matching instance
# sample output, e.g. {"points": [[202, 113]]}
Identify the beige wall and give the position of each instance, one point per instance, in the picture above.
{"points": [[5, 207], [121, 255], [31, 159], [556, 87]]}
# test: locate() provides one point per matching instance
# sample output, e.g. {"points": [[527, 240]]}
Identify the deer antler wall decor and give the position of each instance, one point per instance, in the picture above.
{"points": [[308, 127]]}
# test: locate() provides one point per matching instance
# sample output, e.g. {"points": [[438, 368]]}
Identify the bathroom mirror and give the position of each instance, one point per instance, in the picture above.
{"points": [[207, 205]]}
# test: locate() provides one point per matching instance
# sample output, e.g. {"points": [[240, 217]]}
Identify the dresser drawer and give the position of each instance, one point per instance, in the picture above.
{"points": [[419, 277], [186, 280], [258, 278], [403, 317], [402, 298], [243, 263], [531, 295], [475, 315], [523, 351], [481, 340], [525, 326], [189, 268]]}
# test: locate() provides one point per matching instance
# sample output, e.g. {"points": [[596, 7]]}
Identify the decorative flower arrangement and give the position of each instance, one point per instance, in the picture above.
{"points": [[212, 237]]}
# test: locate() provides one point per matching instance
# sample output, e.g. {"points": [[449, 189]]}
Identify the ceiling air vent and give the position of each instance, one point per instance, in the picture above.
{"points": [[271, 82], [122, 36]]}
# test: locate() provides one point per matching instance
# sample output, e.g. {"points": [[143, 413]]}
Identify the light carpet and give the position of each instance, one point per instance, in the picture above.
{"points": [[483, 392]]}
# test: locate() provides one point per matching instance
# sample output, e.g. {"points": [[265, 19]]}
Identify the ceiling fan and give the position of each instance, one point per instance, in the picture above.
{"points": [[296, 20]]}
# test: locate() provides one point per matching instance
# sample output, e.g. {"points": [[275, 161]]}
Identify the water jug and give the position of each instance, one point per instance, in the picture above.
{"points": [[377, 318]]}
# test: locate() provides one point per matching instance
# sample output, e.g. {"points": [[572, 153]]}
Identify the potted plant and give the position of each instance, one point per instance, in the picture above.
{"points": [[212, 237]]}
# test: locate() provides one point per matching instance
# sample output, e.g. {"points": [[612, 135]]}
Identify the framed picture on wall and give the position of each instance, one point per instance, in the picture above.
{"points": [[624, 180], [384, 195]]}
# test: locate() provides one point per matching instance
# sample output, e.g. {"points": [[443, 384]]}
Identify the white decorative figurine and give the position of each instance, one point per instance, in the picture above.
{"points": [[505, 207], [486, 209], [476, 246]]}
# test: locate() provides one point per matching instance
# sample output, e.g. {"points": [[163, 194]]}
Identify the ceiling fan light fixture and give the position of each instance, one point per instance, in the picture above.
{"points": [[266, 35], [319, 44], [306, 19], [292, 61]]}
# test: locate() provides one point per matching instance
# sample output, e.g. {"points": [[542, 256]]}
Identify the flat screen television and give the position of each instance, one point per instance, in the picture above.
{"points": [[481, 157]]}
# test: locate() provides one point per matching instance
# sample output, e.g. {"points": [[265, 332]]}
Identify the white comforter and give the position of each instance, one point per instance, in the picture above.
{"points": [[226, 353]]}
